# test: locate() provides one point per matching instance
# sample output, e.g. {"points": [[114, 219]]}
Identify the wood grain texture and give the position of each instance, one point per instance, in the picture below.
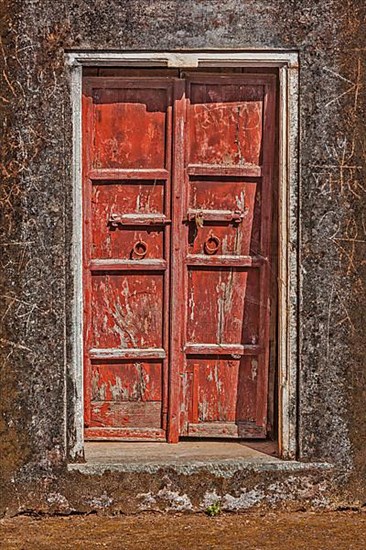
{"points": [[126, 174], [229, 153], [177, 241]]}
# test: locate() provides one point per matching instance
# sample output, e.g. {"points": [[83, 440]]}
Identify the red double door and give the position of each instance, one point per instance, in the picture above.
{"points": [[177, 183]]}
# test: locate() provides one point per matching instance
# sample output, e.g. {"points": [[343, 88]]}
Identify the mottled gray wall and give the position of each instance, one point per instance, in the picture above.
{"points": [[36, 198]]}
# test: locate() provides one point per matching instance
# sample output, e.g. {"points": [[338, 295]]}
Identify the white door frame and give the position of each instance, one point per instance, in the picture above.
{"points": [[288, 223]]}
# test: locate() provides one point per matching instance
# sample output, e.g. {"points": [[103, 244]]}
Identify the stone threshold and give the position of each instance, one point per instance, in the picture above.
{"points": [[222, 458]]}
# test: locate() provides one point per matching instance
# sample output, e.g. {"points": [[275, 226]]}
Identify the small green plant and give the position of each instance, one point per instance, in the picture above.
{"points": [[214, 509]]}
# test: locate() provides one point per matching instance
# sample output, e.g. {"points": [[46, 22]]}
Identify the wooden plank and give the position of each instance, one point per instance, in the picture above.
{"points": [[222, 260], [240, 430], [127, 265], [130, 82], [109, 174], [231, 79], [127, 353], [177, 311], [127, 380], [166, 254], [244, 171], [221, 349], [267, 193], [118, 414], [124, 434]]}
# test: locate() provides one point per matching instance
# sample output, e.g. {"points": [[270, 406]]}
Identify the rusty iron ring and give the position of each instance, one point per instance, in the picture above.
{"points": [[209, 249], [140, 245]]}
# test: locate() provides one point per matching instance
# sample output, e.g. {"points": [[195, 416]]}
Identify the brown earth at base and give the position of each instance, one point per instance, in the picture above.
{"points": [[292, 531]]}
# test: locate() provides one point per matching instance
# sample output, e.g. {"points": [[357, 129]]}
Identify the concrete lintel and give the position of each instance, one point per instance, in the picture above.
{"points": [[185, 59]]}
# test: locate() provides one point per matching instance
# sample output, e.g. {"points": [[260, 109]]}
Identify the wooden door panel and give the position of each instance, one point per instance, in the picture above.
{"points": [[126, 169], [127, 311], [213, 389], [129, 126], [125, 198], [243, 197], [119, 244], [225, 122], [115, 414], [127, 381], [247, 395], [224, 219], [216, 305]]}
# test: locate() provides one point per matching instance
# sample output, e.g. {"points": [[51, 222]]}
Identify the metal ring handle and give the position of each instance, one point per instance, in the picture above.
{"points": [[212, 244], [140, 249]]}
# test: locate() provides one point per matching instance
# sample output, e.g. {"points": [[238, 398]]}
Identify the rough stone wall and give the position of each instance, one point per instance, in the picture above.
{"points": [[36, 199]]}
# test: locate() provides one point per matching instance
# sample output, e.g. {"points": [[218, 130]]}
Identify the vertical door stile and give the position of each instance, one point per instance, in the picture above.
{"points": [[265, 246], [167, 241], [177, 311]]}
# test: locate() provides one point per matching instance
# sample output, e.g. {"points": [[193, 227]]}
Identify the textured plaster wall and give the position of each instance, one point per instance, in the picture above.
{"points": [[36, 204]]}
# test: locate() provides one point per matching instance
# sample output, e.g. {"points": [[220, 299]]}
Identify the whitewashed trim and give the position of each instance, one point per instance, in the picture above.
{"points": [[77, 371], [185, 59]]}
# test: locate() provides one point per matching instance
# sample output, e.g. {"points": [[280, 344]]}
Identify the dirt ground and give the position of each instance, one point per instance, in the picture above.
{"points": [[289, 531]]}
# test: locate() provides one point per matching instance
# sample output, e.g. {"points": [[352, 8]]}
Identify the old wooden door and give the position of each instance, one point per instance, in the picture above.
{"points": [[177, 179]]}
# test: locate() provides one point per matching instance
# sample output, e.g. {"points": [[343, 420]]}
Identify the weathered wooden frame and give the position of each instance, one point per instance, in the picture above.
{"points": [[289, 286]]}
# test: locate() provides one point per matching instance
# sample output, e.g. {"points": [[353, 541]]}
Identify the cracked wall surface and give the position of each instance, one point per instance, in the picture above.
{"points": [[36, 206]]}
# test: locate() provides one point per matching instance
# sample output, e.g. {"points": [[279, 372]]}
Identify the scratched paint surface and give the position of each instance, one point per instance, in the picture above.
{"points": [[127, 311], [224, 386], [126, 381], [125, 125], [223, 306], [220, 306], [115, 414], [215, 306], [129, 128], [226, 123], [217, 381], [226, 194], [125, 198]]}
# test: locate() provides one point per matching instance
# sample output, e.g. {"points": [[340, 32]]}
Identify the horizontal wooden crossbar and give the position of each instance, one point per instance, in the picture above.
{"points": [[116, 219], [225, 260], [221, 349], [128, 265], [132, 174], [248, 430], [125, 434], [245, 171], [130, 353]]}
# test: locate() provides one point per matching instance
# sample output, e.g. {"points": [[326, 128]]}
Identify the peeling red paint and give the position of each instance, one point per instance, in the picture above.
{"points": [[211, 138]]}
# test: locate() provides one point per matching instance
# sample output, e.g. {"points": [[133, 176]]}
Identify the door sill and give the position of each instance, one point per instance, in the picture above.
{"points": [[223, 457]]}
